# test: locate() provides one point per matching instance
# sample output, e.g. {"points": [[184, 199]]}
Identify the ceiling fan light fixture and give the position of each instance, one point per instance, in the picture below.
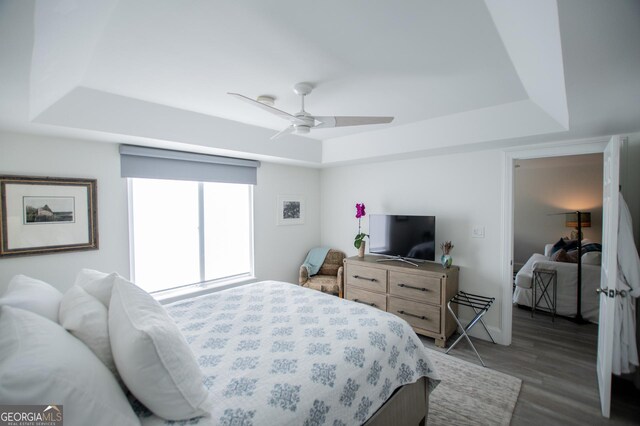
{"points": [[302, 130]]}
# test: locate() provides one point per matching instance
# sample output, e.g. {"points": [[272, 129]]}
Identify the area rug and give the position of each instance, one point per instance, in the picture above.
{"points": [[470, 394]]}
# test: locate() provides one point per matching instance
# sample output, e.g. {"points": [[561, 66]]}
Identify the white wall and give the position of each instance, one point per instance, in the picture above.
{"points": [[279, 250], [630, 181], [39, 156], [462, 191], [546, 186]]}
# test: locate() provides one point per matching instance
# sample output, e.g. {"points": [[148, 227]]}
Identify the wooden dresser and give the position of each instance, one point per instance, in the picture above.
{"points": [[418, 295]]}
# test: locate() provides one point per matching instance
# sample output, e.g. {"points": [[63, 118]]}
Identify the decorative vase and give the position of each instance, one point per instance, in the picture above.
{"points": [[446, 261], [361, 249]]}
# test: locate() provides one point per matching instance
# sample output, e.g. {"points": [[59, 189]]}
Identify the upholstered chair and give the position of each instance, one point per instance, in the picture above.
{"points": [[330, 276]]}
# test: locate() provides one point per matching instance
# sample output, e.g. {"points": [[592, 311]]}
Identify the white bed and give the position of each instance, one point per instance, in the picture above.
{"points": [[276, 353], [264, 353], [567, 276]]}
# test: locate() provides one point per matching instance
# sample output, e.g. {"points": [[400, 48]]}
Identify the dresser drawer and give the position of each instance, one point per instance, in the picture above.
{"points": [[417, 287], [417, 314], [367, 297], [369, 278]]}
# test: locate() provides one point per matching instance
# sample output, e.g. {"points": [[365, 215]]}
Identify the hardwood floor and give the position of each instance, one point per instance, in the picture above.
{"points": [[557, 365]]}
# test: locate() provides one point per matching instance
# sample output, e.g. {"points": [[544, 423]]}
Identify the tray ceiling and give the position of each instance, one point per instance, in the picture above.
{"points": [[453, 73]]}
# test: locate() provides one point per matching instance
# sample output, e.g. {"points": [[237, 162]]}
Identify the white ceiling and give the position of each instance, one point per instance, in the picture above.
{"points": [[377, 62], [461, 73]]}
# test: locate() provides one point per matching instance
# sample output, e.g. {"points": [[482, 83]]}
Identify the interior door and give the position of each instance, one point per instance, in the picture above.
{"points": [[609, 275]]}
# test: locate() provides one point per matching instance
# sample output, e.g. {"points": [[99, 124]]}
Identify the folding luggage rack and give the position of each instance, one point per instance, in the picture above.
{"points": [[480, 305]]}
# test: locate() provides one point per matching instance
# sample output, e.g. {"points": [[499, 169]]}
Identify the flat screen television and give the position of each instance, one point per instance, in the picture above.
{"points": [[410, 237]]}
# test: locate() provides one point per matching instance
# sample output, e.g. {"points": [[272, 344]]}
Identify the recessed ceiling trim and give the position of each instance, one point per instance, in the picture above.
{"points": [[517, 119], [126, 116], [530, 32]]}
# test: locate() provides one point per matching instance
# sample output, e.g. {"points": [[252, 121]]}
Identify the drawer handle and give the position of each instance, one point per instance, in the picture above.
{"points": [[422, 317], [358, 277], [366, 303], [412, 287]]}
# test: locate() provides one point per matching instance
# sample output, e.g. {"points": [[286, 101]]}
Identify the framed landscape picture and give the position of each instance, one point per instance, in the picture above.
{"points": [[290, 210], [47, 215]]}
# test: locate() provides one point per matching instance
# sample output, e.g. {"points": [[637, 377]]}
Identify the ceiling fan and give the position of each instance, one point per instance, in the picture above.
{"points": [[302, 122]]}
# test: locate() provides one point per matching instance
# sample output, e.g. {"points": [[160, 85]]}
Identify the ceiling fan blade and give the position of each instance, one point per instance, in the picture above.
{"points": [[268, 108], [281, 133], [326, 122]]}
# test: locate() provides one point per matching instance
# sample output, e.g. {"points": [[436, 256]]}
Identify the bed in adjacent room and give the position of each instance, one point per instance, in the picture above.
{"points": [[567, 282], [276, 353]]}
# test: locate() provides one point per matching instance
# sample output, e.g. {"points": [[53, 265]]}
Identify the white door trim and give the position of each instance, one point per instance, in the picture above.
{"points": [[552, 149]]}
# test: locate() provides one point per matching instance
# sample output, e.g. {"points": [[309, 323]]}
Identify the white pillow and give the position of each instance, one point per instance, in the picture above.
{"points": [[86, 318], [40, 363], [152, 356], [547, 249], [97, 284], [592, 258], [33, 295]]}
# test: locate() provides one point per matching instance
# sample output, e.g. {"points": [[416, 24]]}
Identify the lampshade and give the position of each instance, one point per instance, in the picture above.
{"points": [[571, 220]]}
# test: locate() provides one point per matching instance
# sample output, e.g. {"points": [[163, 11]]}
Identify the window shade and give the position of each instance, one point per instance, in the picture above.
{"points": [[154, 163]]}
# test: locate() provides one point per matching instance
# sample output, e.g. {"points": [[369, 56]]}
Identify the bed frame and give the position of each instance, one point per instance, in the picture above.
{"points": [[409, 405]]}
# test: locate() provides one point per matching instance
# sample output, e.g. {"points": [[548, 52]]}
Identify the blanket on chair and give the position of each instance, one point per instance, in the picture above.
{"points": [[315, 259]]}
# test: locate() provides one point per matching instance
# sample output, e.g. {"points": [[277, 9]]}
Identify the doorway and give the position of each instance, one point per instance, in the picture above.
{"points": [[546, 192], [511, 157], [611, 150]]}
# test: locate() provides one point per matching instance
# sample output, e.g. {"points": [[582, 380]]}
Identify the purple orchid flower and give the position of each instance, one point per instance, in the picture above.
{"points": [[360, 213]]}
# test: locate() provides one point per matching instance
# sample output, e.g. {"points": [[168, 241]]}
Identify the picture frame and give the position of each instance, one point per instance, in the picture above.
{"points": [[41, 215], [290, 210]]}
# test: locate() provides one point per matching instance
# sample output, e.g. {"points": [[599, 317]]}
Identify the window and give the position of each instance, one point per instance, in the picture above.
{"points": [[185, 233], [191, 216]]}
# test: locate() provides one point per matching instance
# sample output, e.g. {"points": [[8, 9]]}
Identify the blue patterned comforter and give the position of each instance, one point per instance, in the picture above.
{"points": [[274, 353]]}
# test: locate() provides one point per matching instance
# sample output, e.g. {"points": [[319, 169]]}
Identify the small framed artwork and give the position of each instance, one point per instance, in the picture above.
{"points": [[290, 210], [41, 215]]}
